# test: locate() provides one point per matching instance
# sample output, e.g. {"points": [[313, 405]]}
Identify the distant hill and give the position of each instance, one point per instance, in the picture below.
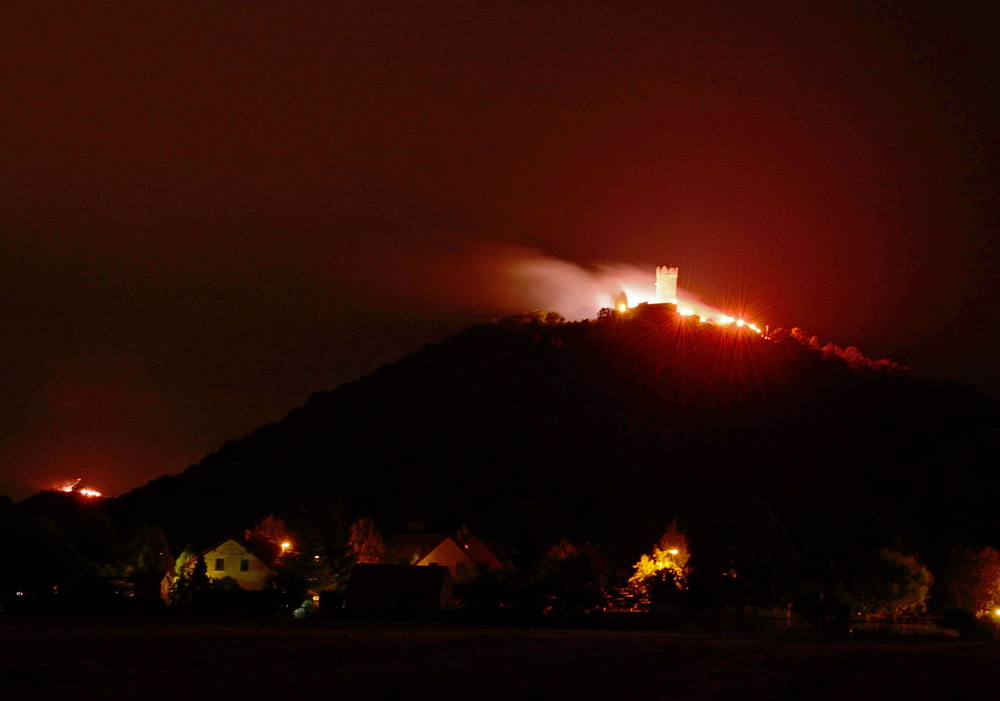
{"points": [[584, 422]]}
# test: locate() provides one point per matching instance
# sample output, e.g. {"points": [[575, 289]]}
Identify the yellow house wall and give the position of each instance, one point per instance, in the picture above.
{"points": [[231, 553]]}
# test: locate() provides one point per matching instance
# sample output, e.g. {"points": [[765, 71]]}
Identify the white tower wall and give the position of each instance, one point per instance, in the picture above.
{"points": [[666, 284]]}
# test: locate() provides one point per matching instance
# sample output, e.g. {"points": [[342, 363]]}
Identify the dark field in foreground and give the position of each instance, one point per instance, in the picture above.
{"points": [[44, 657]]}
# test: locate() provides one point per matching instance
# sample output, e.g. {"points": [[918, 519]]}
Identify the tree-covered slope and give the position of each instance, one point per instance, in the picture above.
{"points": [[592, 420]]}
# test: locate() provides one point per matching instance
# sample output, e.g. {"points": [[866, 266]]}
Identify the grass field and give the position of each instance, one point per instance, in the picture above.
{"points": [[162, 657]]}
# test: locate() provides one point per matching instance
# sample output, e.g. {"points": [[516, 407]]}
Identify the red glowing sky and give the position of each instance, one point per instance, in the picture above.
{"points": [[211, 210]]}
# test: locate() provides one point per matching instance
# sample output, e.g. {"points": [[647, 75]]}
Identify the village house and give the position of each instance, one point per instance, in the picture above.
{"points": [[462, 553], [239, 561]]}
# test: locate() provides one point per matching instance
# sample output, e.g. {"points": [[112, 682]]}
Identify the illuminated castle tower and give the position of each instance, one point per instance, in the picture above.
{"points": [[666, 285]]}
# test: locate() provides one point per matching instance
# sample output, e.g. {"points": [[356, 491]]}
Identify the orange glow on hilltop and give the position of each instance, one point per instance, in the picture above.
{"points": [[75, 488]]}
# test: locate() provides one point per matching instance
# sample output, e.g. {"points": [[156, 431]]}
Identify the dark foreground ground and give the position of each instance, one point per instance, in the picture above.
{"points": [[159, 657]]}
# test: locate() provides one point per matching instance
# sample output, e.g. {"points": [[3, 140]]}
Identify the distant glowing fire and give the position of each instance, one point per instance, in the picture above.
{"points": [[77, 488]]}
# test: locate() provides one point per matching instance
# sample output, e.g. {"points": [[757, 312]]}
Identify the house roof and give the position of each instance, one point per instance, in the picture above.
{"points": [[480, 554], [238, 547], [414, 546]]}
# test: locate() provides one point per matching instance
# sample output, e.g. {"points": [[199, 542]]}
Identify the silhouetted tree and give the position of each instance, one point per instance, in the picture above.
{"points": [[271, 540], [322, 559], [972, 580], [570, 579], [890, 584], [521, 526], [190, 578], [199, 573], [742, 551], [366, 542], [271, 530], [146, 549], [630, 534], [98, 540], [667, 563], [36, 555]]}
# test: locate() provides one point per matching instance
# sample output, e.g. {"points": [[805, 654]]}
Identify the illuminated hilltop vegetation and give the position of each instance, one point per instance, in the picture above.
{"points": [[588, 421]]}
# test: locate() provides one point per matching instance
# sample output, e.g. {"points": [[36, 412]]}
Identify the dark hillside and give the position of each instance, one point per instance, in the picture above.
{"points": [[591, 420]]}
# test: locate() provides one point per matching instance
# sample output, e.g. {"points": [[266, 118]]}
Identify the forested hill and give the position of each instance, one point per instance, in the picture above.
{"points": [[588, 421]]}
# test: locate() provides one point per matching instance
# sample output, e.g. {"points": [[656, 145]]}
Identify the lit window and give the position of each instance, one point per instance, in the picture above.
{"points": [[220, 564], [244, 565]]}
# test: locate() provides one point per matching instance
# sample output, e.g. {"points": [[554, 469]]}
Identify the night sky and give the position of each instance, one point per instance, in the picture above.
{"points": [[209, 210]]}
